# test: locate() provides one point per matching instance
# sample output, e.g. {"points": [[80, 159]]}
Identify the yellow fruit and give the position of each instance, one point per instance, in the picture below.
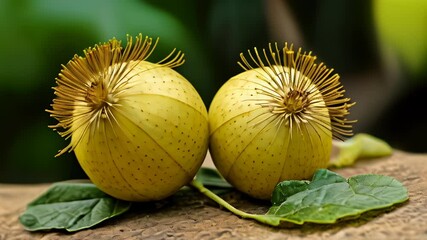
{"points": [[139, 129], [276, 122]]}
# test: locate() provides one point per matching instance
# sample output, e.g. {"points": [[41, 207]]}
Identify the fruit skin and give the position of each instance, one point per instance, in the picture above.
{"points": [[251, 149], [155, 141]]}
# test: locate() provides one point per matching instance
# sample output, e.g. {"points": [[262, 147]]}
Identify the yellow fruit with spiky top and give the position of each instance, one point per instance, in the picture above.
{"points": [[139, 129], [276, 121]]}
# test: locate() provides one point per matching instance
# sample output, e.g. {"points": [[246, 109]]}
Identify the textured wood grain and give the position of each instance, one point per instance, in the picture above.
{"points": [[188, 215]]}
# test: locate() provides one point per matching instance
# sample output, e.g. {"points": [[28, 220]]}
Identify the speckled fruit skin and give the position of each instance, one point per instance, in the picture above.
{"points": [[254, 154], [157, 141]]}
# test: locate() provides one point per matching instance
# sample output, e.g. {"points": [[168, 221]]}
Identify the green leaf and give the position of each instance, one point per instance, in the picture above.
{"points": [[360, 146], [286, 189], [211, 177], [71, 206], [330, 197], [326, 199]]}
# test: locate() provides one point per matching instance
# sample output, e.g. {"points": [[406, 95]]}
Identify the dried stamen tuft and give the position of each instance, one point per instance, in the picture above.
{"points": [[295, 101], [296, 88], [89, 87]]}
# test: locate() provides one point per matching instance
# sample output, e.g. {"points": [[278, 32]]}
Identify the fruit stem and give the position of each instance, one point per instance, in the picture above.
{"points": [[260, 218]]}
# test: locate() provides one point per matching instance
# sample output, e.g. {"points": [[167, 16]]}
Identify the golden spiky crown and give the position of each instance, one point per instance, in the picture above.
{"points": [[89, 87], [296, 87]]}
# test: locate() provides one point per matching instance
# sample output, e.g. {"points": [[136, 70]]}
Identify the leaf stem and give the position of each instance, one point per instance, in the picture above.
{"points": [[270, 220]]}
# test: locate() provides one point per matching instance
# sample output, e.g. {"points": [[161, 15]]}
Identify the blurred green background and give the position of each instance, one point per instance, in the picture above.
{"points": [[378, 47]]}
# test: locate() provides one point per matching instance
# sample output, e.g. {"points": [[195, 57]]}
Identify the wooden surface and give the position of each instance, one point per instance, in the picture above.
{"points": [[191, 216]]}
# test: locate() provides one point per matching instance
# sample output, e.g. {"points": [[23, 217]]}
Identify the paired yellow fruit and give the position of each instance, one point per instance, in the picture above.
{"points": [[275, 122], [138, 129]]}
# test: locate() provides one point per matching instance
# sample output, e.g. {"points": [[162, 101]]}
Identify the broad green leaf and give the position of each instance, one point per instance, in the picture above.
{"points": [[326, 199], [286, 189], [360, 146], [330, 197], [71, 206]]}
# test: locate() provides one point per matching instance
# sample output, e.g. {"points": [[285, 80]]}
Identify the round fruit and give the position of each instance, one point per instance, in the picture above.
{"points": [[139, 129], [276, 122]]}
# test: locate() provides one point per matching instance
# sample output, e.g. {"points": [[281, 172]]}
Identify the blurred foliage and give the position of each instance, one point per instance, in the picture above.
{"points": [[402, 25], [37, 36], [341, 33]]}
